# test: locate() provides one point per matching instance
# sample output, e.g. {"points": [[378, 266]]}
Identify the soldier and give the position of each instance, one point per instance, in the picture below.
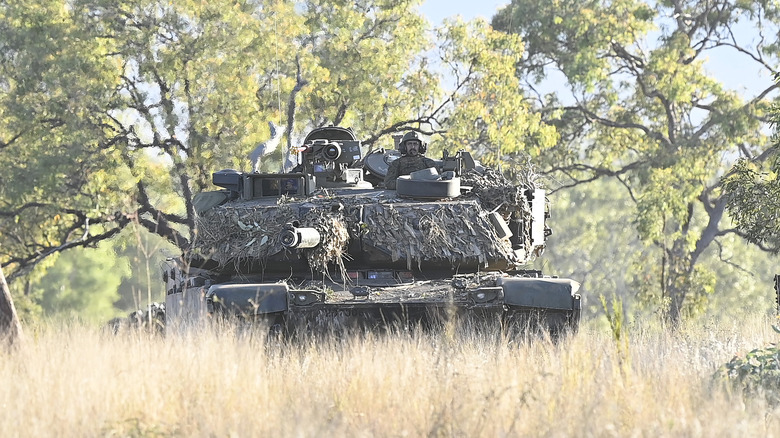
{"points": [[412, 149]]}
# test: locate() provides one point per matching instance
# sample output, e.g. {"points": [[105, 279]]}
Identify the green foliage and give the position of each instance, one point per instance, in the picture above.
{"points": [[584, 28], [145, 253], [83, 283], [743, 283], [120, 276], [491, 117], [618, 327], [55, 78], [616, 318], [362, 60], [595, 241], [754, 201], [757, 372], [28, 308]]}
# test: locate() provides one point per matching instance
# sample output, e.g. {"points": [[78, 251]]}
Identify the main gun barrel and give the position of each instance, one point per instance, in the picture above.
{"points": [[293, 236]]}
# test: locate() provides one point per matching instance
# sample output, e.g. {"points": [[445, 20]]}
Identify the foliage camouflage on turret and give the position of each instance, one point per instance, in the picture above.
{"points": [[455, 230]]}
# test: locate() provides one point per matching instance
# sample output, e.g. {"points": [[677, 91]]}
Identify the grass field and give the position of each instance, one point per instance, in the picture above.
{"points": [[76, 381]]}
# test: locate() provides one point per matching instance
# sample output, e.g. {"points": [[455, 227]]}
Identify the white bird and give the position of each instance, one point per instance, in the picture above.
{"points": [[268, 147]]}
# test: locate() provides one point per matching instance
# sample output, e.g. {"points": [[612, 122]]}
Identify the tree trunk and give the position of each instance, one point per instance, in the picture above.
{"points": [[674, 313], [679, 286], [10, 328]]}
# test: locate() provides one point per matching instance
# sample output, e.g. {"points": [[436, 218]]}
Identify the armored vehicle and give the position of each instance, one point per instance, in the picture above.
{"points": [[326, 247]]}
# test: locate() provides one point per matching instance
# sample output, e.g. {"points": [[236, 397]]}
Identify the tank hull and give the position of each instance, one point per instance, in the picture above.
{"points": [[513, 304]]}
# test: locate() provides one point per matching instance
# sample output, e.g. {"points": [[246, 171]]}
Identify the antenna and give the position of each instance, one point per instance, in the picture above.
{"points": [[278, 78], [499, 161]]}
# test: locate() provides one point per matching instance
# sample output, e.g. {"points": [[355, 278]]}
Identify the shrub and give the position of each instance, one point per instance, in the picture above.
{"points": [[756, 372]]}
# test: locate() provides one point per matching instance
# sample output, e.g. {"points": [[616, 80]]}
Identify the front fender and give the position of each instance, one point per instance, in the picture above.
{"points": [[248, 299], [541, 293]]}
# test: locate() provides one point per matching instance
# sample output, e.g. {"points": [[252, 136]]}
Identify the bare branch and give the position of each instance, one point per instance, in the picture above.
{"points": [[29, 261], [427, 119], [621, 125], [18, 211], [759, 245], [597, 172]]}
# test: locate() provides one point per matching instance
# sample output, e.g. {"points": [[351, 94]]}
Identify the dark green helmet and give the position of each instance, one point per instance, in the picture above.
{"points": [[411, 135]]}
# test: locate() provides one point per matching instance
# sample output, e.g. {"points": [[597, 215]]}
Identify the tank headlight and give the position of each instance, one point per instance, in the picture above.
{"points": [[486, 295], [306, 297], [459, 283], [360, 291]]}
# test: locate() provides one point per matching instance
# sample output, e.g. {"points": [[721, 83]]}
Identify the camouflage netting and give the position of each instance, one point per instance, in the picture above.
{"points": [[335, 238], [235, 233], [495, 190], [458, 230], [497, 193], [238, 232]]}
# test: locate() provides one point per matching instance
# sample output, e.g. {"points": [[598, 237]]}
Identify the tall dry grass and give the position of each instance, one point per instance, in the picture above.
{"points": [[76, 381]]}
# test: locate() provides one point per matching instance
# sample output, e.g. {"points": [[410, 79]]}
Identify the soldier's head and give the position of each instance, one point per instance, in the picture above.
{"points": [[412, 145]]}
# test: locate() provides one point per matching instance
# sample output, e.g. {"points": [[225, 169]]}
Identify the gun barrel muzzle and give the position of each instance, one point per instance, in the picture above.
{"points": [[299, 237]]}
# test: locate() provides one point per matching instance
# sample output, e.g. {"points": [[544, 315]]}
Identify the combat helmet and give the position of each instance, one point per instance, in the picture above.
{"points": [[411, 135]]}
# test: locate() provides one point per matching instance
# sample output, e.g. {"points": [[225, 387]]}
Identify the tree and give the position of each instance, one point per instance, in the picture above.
{"points": [[54, 79], [10, 329], [491, 116], [639, 105], [82, 283], [362, 61], [753, 191]]}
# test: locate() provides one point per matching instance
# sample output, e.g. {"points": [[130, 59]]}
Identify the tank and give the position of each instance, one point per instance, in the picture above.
{"points": [[325, 247]]}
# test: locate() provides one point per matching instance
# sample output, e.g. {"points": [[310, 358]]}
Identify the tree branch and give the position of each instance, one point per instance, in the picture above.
{"points": [[622, 125], [428, 119], [5, 144], [27, 262], [598, 172]]}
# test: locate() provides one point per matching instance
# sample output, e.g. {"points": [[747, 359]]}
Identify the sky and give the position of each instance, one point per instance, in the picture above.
{"points": [[734, 75], [437, 10]]}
